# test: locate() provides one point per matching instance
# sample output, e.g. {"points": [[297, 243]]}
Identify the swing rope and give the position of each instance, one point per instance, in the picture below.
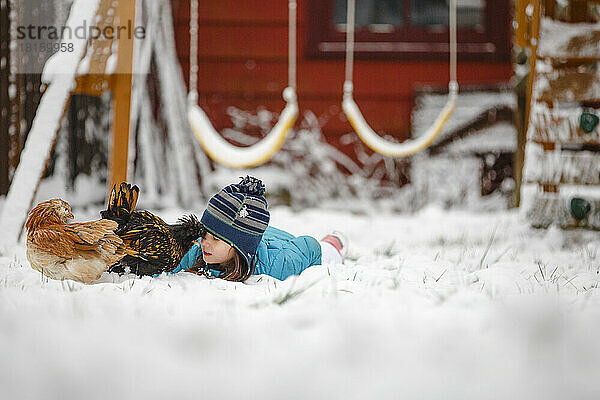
{"points": [[193, 95], [358, 122], [217, 148]]}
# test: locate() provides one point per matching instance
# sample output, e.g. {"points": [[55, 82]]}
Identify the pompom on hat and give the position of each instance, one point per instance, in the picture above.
{"points": [[238, 215]]}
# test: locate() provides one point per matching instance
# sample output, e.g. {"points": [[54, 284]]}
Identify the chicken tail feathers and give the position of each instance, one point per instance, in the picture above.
{"points": [[121, 202]]}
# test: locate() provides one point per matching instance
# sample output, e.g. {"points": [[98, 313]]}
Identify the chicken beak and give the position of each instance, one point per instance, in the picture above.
{"points": [[70, 215]]}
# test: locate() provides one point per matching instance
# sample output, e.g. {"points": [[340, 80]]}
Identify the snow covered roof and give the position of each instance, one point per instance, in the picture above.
{"points": [[497, 137]]}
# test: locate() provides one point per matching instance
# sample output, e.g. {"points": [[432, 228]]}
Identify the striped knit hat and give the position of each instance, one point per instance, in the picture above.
{"points": [[238, 215]]}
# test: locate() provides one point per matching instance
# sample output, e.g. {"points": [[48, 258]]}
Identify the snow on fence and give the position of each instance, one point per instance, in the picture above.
{"points": [[556, 167], [552, 208], [559, 126], [569, 41], [566, 75], [568, 85]]}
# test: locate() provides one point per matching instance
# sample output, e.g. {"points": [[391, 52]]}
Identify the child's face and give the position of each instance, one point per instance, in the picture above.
{"points": [[214, 250]]}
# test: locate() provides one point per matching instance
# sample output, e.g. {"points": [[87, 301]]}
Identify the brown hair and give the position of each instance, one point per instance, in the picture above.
{"points": [[235, 270]]}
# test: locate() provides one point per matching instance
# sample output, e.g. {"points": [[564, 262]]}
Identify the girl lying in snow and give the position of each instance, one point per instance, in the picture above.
{"points": [[239, 243]]}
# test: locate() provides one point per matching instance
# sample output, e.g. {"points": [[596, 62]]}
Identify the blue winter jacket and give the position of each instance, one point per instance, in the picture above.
{"points": [[279, 254]]}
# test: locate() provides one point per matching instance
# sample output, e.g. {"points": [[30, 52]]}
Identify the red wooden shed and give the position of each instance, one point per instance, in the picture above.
{"points": [[401, 45]]}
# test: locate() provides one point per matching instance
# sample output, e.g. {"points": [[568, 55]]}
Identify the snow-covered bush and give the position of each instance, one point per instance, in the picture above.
{"points": [[308, 171]]}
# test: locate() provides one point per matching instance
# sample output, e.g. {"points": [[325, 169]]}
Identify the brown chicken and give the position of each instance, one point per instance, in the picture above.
{"points": [[77, 251]]}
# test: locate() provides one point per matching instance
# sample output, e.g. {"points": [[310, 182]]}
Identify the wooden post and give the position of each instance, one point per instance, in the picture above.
{"points": [[521, 20], [520, 90], [526, 36], [121, 85], [5, 102], [579, 11], [534, 37], [549, 7]]}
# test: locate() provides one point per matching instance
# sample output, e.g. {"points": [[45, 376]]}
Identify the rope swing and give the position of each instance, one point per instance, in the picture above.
{"points": [[362, 128], [217, 148]]}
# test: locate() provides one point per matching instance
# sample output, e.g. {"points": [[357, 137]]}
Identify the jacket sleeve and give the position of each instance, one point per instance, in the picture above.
{"points": [[189, 259], [294, 257]]}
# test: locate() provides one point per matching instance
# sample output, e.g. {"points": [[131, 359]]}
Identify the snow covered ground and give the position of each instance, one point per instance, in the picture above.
{"points": [[435, 305]]}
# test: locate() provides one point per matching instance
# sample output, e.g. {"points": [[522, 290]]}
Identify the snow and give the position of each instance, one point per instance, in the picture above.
{"points": [[63, 62], [568, 40], [453, 177], [560, 166], [498, 137], [468, 107], [436, 304], [179, 147], [568, 86], [559, 124], [450, 180]]}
